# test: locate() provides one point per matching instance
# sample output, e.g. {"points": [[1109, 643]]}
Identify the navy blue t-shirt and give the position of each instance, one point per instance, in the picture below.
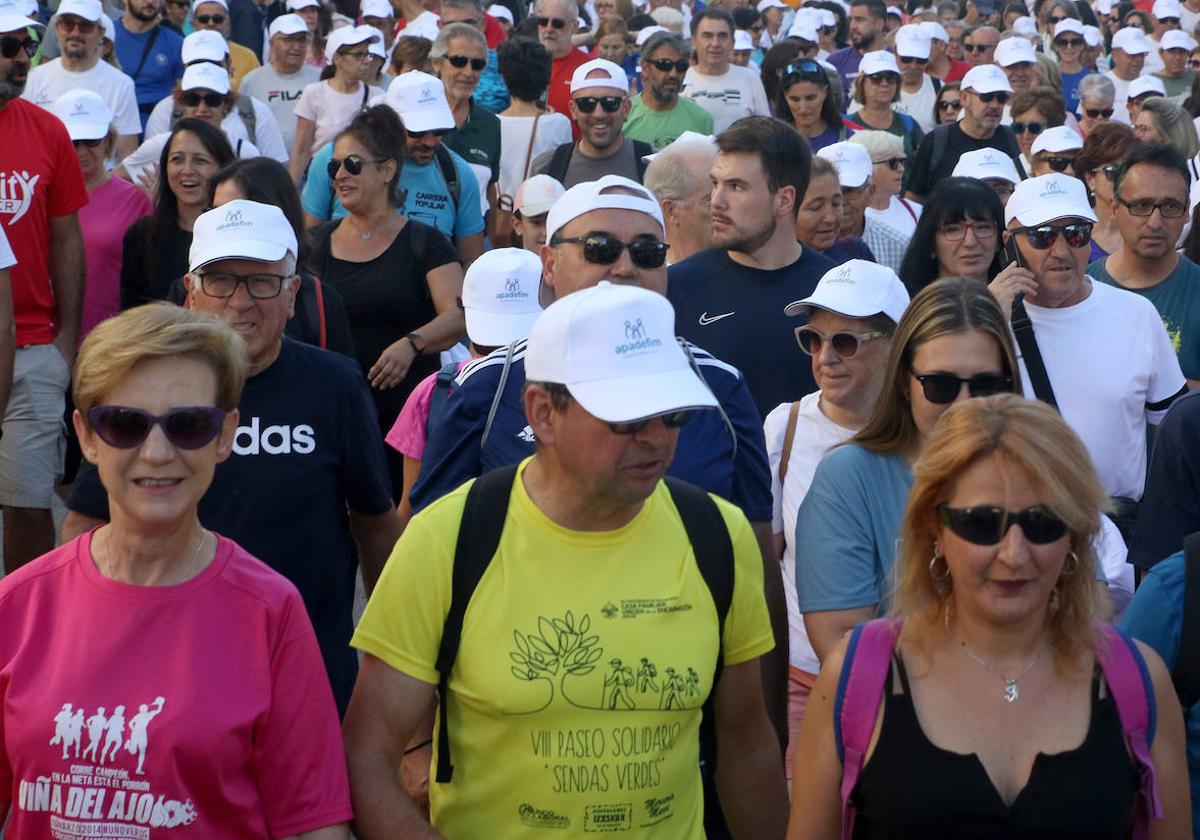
{"points": [[307, 448], [705, 454], [736, 313], [1171, 504], [162, 68]]}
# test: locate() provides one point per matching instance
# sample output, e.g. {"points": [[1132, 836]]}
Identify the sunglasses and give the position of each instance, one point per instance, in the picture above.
{"points": [[1055, 21], [954, 231], [461, 61], [70, 24], [666, 65], [1169, 21], [557, 23], [894, 164], [950, 105], [186, 428], [1193, 63], [904, 59], [605, 249], [1169, 209], [258, 286], [91, 144], [417, 135], [672, 421], [978, 48], [216, 20], [353, 164], [1000, 96], [9, 47], [988, 525], [845, 344], [1068, 43], [944, 388], [884, 78], [1030, 127], [1098, 113], [1110, 171], [1077, 234], [1059, 164], [610, 104], [809, 69], [212, 100]]}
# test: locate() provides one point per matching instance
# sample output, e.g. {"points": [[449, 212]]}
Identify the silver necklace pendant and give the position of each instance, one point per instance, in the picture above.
{"points": [[366, 236], [1012, 691]]}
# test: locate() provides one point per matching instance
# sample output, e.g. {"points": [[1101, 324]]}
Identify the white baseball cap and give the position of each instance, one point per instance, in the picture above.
{"points": [[986, 163], [500, 296], [912, 41], [1048, 197], [205, 45], [1060, 138], [1104, 7], [420, 100], [241, 230], [828, 18], [86, 9], [297, 5], [1068, 25], [763, 5], [856, 289], [1167, 9], [205, 75], [348, 36], [110, 28], [852, 162], [742, 41], [614, 348], [1012, 51], [645, 32], [687, 138], [85, 114], [1177, 39], [936, 31], [804, 29], [893, 11], [612, 192], [15, 16], [1092, 36], [1025, 26], [537, 195], [1131, 40], [1148, 84], [986, 78], [376, 9], [289, 24], [198, 3], [501, 12], [878, 61], [599, 73]]}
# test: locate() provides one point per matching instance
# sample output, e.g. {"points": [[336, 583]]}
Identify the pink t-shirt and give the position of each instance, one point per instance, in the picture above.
{"points": [[193, 711], [407, 435], [112, 207]]}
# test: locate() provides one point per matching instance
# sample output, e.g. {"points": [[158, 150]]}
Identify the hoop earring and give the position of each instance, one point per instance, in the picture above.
{"points": [[942, 582], [1073, 566]]}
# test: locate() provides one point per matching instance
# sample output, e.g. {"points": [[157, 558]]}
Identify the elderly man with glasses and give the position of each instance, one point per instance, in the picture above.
{"points": [[557, 21]]}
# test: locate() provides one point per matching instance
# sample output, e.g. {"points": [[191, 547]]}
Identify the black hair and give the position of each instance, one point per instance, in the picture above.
{"points": [[640, 21], [876, 8], [1152, 154], [774, 60], [525, 68], [745, 16], [267, 181], [785, 155], [843, 23], [527, 29], [952, 200], [713, 14], [379, 129], [831, 115]]}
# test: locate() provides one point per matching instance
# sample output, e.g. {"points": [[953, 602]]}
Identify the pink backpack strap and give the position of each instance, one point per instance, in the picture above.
{"points": [[1129, 682], [856, 705]]}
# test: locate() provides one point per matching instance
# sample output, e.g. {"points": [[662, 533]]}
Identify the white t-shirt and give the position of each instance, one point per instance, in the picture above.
{"points": [[815, 435], [552, 131], [150, 152], [330, 110], [736, 93], [919, 105], [1109, 360], [1121, 99], [47, 82], [267, 136], [896, 216], [1188, 20], [280, 93]]}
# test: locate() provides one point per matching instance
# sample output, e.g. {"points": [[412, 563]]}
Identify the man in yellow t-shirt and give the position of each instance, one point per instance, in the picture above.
{"points": [[214, 15], [589, 645]]}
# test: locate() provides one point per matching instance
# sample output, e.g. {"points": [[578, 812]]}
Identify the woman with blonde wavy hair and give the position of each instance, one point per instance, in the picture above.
{"points": [[995, 720]]}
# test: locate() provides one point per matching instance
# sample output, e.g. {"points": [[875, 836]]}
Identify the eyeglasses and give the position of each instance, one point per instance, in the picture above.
{"points": [[1172, 21], [605, 249], [258, 286], [1194, 63], [944, 388], [1059, 164], [186, 428], [557, 23], [295, 40], [71, 23], [1054, 21], [91, 144], [1077, 234], [1030, 127], [417, 135], [587, 104], [978, 48], [215, 20], [827, 30], [192, 99], [361, 55], [1001, 96], [894, 164], [845, 344], [9, 46], [1098, 113], [672, 421], [1169, 209], [954, 231], [884, 78], [461, 61], [1068, 43], [950, 105], [988, 525], [353, 164], [666, 65], [904, 59]]}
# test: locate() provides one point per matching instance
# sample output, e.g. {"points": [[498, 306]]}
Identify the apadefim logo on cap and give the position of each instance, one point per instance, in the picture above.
{"points": [[636, 340], [842, 278], [512, 290], [426, 96], [1053, 190], [233, 221]]}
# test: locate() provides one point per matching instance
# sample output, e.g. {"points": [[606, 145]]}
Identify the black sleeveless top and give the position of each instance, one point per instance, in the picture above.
{"points": [[912, 788]]}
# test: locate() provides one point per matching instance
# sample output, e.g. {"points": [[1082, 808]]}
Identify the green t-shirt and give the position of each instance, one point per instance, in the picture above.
{"points": [[1177, 299], [661, 128], [1178, 87]]}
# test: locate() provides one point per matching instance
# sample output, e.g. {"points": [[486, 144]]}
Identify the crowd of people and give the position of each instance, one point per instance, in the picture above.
{"points": [[742, 420]]}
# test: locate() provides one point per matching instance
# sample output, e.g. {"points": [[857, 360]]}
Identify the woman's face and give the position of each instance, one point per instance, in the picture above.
{"points": [[1025, 138], [204, 110], [157, 484], [310, 17], [1100, 185], [1095, 106], [880, 88], [461, 82], [804, 100], [358, 191], [605, 8], [189, 167], [962, 251], [612, 48], [850, 384], [92, 157], [351, 62], [963, 354], [949, 107], [1011, 581], [820, 214], [886, 179], [1146, 128]]}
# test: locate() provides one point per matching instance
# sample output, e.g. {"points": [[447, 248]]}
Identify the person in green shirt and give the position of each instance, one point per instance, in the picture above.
{"points": [[658, 115]]}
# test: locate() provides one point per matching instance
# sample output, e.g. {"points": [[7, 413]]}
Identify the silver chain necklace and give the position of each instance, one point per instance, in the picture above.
{"points": [[1012, 687]]}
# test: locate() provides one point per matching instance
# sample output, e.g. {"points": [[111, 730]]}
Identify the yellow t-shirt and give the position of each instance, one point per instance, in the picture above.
{"points": [[241, 62], [585, 659]]}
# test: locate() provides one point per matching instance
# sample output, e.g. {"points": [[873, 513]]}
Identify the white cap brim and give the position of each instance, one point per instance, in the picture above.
{"points": [[498, 329], [233, 248], [628, 398], [1051, 210], [16, 23]]}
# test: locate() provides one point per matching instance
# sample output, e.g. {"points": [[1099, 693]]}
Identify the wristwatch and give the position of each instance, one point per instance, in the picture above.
{"points": [[413, 338]]}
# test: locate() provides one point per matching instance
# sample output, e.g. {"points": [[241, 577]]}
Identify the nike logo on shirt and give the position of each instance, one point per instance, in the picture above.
{"points": [[705, 320]]}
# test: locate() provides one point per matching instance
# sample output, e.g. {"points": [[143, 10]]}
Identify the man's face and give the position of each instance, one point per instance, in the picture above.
{"points": [[176, 11], [1151, 237], [212, 16], [1021, 76], [985, 115], [692, 212], [714, 43], [954, 47], [258, 321], [912, 70], [663, 84], [555, 28], [855, 200], [1057, 270], [461, 14], [288, 51], [600, 126], [461, 82], [79, 38], [14, 71], [864, 29], [744, 212], [1174, 62], [144, 10], [1165, 25], [564, 269], [980, 47], [1127, 67], [421, 149]]}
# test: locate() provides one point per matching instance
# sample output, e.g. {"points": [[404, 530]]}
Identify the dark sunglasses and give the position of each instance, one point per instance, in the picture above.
{"points": [[85, 27], [9, 47], [1055, 21], [809, 69], [672, 421], [950, 105], [1077, 234], [417, 135], [666, 65], [845, 344], [212, 100], [186, 428], [977, 48], [904, 59], [557, 23], [1194, 63], [587, 104], [1030, 127], [1169, 21], [1067, 43], [1097, 113], [91, 144], [1000, 96], [353, 164], [461, 61], [988, 525], [944, 388], [1110, 171], [884, 78], [216, 20], [605, 249], [894, 164], [1059, 164]]}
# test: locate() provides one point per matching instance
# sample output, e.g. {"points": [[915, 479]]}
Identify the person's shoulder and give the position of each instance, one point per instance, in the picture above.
{"points": [[460, 163], [321, 367], [700, 263], [253, 580], [168, 36], [42, 570], [1169, 574], [484, 372], [852, 459], [716, 373], [1189, 272], [813, 260], [478, 112], [1130, 306]]}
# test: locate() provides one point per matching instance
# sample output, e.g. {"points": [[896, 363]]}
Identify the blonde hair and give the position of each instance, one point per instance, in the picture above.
{"points": [[1028, 435], [158, 331]]}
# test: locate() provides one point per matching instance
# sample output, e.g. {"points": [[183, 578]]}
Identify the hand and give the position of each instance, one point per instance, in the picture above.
{"points": [[147, 179], [1012, 281], [392, 365]]}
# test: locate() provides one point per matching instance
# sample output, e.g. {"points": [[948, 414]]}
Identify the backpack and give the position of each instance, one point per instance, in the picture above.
{"points": [[561, 161], [1186, 673], [440, 393], [479, 536], [1004, 135], [861, 685], [245, 109]]}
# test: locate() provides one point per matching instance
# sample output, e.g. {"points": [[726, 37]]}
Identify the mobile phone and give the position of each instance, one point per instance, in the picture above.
{"points": [[1012, 254]]}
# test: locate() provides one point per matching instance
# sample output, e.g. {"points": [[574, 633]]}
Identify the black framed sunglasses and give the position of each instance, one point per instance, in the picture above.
{"points": [[845, 344], [950, 105], [1055, 21], [885, 78], [1059, 163], [461, 61], [1110, 171], [809, 69], [192, 99], [1169, 21], [557, 23], [895, 164], [977, 48], [259, 286], [905, 59], [1169, 209], [1001, 96], [91, 144], [1068, 43], [187, 428], [1077, 234], [988, 525], [666, 65], [215, 20], [10, 46], [944, 388], [353, 163], [1099, 113], [673, 420], [603, 248], [1033, 128], [587, 104], [1194, 63]]}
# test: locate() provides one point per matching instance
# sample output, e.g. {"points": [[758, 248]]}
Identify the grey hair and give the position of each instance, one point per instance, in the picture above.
{"points": [[475, 5], [1096, 86], [455, 30], [1174, 124], [288, 270], [571, 10], [879, 144], [665, 39], [669, 175]]}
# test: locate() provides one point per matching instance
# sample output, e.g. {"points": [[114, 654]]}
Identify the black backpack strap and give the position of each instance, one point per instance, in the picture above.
{"points": [[640, 150], [449, 173], [245, 109], [442, 384], [478, 537], [146, 51], [1023, 329], [1186, 673], [560, 162]]}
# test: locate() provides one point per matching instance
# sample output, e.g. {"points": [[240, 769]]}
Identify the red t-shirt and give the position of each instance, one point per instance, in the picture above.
{"points": [[558, 95], [958, 69], [491, 30], [193, 711], [39, 178]]}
